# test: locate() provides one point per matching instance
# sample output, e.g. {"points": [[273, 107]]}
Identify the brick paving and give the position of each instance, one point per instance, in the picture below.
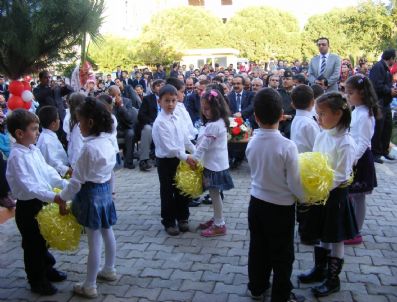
{"points": [[156, 267]]}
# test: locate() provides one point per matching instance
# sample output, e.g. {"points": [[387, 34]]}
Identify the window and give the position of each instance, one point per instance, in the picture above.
{"points": [[197, 2], [227, 2]]}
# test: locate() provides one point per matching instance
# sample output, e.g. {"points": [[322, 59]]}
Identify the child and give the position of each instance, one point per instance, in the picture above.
{"points": [[171, 141], [212, 150], [48, 142], [275, 186], [362, 96], [75, 139], [31, 181], [93, 205], [337, 221]]}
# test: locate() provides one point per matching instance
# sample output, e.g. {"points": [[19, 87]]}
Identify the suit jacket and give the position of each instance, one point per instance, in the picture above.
{"points": [[381, 78], [126, 115], [247, 103], [118, 74], [130, 93], [193, 106], [159, 75], [331, 72], [148, 111]]}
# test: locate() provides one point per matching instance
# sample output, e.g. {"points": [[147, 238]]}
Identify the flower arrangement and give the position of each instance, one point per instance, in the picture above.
{"points": [[238, 129]]}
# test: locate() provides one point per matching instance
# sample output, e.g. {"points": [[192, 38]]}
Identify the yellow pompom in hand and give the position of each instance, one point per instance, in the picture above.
{"points": [[188, 180], [317, 177], [60, 232]]}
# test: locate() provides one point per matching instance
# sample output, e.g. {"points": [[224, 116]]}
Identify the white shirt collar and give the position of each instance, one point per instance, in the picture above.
{"points": [[306, 113], [49, 132], [326, 55]]}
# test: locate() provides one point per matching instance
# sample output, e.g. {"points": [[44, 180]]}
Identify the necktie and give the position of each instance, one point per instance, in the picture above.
{"points": [[239, 102], [323, 64]]}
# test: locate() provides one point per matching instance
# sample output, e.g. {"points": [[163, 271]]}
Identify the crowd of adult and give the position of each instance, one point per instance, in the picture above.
{"points": [[135, 94]]}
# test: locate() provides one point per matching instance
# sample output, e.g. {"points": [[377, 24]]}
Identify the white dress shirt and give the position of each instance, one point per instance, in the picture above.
{"points": [[340, 148], [273, 160], [95, 164], [362, 129], [29, 176], [304, 130], [211, 146], [53, 151], [180, 111], [170, 138], [75, 145]]}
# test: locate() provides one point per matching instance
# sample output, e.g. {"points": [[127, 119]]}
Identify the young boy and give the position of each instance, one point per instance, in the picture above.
{"points": [[304, 128], [323, 82], [171, 141], [275, 186], [48, 142], [31, 181]]}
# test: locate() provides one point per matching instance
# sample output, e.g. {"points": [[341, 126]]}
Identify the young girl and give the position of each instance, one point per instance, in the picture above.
{"points": [[212, 150], [338, 222], [73, 133], [362, 96], [93, 205], [171, 141]]}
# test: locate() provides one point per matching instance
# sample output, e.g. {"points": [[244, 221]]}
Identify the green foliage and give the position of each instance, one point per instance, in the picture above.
{"points": [[261, 33], [36, 33]]}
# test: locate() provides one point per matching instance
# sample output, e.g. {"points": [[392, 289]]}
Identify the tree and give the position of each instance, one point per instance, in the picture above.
{"points": [[261, 33], [37, 33]]}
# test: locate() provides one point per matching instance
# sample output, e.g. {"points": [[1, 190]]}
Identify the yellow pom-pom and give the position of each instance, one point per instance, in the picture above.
{"points": [[317, 177], [189, 181], [60, 232]]}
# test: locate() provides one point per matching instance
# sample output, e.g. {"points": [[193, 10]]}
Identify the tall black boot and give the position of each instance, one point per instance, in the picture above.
{"points": [[319, 271], [332, 283]]}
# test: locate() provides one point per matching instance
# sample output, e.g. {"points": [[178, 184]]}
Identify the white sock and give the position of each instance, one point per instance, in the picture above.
{"points": [[338, 250], [94, 256], [218, 207], [325, 245], [110, 249]]}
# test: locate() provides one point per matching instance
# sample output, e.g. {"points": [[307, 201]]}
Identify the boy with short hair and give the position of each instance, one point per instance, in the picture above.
{"points": [[31, 181], [275, 186], [48, 142]]}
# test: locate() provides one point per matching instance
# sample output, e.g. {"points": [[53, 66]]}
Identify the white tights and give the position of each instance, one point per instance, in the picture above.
{"points": [[337, 249], [94, 253], [218, 206]]}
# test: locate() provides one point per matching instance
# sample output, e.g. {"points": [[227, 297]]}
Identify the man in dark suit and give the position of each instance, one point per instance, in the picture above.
{"points": [[126, 116], [192, 102], [381, 78], [119, 73], [241, 105], [3, 88], [160, 73], [109, 82], [146, 117], [125, 79], [128, 92], [289, 112]]}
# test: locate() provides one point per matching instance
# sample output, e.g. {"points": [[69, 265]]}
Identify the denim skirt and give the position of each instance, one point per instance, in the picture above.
{"points": [[221, 180], [93, 206]]}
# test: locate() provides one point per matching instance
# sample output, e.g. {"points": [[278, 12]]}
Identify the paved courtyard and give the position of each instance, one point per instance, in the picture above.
{"points": [[156, 267]]}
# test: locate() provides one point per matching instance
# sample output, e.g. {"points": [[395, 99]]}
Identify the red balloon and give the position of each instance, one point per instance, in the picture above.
{"points": [[27, 105], [26, 86], [15, 102], [16, 88]]}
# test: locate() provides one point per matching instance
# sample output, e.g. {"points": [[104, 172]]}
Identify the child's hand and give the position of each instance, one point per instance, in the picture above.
{"points": [[69, 172], [286, 117], [191, 162], [63, 209]]}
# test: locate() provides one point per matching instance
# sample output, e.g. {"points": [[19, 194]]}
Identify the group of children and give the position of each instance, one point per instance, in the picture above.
{"points": [[33, 172]]}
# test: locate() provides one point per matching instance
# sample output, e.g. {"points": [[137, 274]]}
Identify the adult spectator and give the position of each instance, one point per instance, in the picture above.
{"points": [[119, 73], [299, 79], [109, 82], [382, 80], [297, 68], [273, 81], [146, 117], [247, 84], [126, 116], [128, 92], [189, 87], [289, 112], [125, 78], [3, 87], [326, 64], [174, 71], [190, 72], [192, 102], [159, 73], [257, 84]]}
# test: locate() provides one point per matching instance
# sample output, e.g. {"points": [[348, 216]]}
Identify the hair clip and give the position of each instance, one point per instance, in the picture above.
{"points": [[214, 93]]}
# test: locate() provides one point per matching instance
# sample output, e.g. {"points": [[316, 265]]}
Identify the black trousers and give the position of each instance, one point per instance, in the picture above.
{"points": [[4, 188], [383, 131], [38, 260], [129, 141], [237, 150], [271, 248], [174, 206]]}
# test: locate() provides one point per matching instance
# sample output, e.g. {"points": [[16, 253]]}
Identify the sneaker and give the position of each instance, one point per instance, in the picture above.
{"points": [[87, 292], [214, 231], [389, 157], [254, 296], [377, 159], [56, 276], [206, 224], [356, 240], [172, 231], [194, 203], [107, 275], [183, 226], [207, 199], [45, 289], [144, 165]]}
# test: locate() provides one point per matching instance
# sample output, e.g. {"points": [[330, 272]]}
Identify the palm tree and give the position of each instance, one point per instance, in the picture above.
{"points": [[37, 33]]}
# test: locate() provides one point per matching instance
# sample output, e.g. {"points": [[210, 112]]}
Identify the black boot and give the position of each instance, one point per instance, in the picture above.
{"points": [[332, 283], [319, 271]]}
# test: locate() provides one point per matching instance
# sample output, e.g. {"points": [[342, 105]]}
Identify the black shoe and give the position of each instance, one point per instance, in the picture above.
{"points": [[207, 199], [194, 203], [45, 289], [332, 283], [318, 273], [222, 196], [295, 298], [129, 166], [389, 157], [144, 165], [377, 159], [233, 163], [56, 276]]}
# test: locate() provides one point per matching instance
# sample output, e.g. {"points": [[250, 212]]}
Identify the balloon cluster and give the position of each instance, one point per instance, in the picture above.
{"points": [[189, 181], [21, 95]]}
